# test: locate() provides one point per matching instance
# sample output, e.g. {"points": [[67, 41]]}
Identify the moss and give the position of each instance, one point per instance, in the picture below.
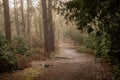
{"points": [[30, 73]]}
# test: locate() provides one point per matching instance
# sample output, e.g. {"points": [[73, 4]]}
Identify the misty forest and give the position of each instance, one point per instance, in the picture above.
{"points": [[59, 39]]}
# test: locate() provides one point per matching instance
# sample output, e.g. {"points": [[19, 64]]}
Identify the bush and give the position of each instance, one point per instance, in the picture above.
{"points": [[7, 62], [13, 54], [83, 49], [7, 59], [99, 43], [20, 46], [116, 72], [89, 41]]}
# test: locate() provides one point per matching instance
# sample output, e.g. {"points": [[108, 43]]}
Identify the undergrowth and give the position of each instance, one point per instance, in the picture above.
{"points": [[100, 45], [15, 54]]}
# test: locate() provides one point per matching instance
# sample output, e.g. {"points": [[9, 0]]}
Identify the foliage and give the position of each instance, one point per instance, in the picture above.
{"points": [[7, 59], [13, 54], [83, 49], [116, 72], [89, 41], [100, 44], [101, 17], [20, 46]]}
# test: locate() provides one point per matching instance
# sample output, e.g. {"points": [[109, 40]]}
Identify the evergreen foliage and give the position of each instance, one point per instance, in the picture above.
{"points": [[101, 17], [11, 54], [7, 58]]}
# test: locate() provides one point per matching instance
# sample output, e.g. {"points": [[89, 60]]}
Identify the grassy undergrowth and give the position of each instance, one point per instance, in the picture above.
{"points": [[17, 54]]}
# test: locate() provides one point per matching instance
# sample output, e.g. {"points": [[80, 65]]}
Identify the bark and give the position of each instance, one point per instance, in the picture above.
{"points": [[36, 25], [28, 16], [16, 18], [58, 35], [51, 32], [23, 19], [45, 26], [7, 19], [49, 45], [41, 31]]}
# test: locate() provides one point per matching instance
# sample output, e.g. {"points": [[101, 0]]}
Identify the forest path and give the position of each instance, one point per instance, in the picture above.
{"points": [[67, 65], [70, 65]]}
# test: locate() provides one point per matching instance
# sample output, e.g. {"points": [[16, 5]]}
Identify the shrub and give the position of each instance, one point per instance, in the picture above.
{"points": [[13, 54], [82, 49], [20, 46], [116, 72], [89, 41], [7, 59]]}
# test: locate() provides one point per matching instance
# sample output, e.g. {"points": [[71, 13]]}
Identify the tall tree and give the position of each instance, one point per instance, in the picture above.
{"points": [[48, 43], [40, 29], [28, 17], [7, 19], [45, 26], [16, 17], [23, 19], [36, 25], [50, 17]]}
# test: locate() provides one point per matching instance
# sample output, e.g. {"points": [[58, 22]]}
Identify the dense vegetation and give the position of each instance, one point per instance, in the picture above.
{"points": [[101, 19], [22, 32], [13, 54]]}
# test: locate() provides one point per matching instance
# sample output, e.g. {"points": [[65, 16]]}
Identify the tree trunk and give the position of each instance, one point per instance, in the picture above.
{"points": [[28, 17], [16, 18], [23, 19], [7, 19], [45, 26], [48, 29], [36, 25], [40, 31], [51, 32]]}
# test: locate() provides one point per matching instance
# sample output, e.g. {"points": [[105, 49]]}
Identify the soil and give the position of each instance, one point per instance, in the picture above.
{"points": [[67, 65], [70, 65]]}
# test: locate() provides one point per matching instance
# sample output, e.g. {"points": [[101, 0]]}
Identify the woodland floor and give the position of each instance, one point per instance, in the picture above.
{"points": [[68, 65]]}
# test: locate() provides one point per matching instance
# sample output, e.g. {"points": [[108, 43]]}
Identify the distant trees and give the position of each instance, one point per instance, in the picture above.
{"points": [[16, 17], [26, 22], [23, 18], [28, 18], [7, 19]]}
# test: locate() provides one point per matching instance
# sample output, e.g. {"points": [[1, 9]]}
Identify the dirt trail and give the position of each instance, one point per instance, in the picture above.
{"points": [[70, 65]]}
